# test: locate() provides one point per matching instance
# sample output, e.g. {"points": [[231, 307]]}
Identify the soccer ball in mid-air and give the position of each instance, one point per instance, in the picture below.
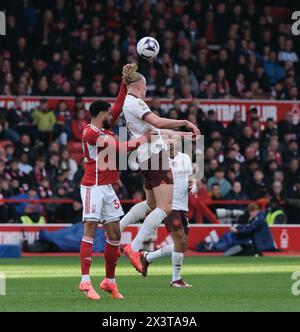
{"points": [[147, 47]]}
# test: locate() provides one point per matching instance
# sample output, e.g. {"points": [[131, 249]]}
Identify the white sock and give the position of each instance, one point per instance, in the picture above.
{"points": [[113, 280], [85, 278], [153, 220], [162, 252], [177, 259], [137, 212]]}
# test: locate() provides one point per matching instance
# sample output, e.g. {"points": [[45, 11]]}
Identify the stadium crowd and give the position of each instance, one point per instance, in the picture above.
{"points": [[209, 49]]}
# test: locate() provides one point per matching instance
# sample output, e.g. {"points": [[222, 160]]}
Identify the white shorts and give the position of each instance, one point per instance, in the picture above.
{"points": [[100, 203]]}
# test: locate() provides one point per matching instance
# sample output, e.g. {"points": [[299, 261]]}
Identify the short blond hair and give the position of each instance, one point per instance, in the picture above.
{"points": [[130, 74]]}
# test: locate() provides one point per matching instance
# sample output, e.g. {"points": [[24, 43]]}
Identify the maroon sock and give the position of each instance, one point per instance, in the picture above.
{"points": [[111, 254], [86, 249]]}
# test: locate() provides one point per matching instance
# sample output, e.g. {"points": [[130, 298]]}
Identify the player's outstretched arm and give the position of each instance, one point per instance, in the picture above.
{"points": [[127, 146], [117, 108], [169, 133], [164, 123]]}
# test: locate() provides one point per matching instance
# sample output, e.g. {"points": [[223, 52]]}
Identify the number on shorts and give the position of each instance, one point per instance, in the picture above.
{"points": [[117, 204]]}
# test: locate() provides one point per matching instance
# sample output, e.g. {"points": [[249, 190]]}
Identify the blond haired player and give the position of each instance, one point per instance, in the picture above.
{"points": [[153, 161]]}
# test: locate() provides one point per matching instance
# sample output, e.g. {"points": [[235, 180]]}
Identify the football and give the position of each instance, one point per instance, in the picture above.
{"points": [[147, 48]]}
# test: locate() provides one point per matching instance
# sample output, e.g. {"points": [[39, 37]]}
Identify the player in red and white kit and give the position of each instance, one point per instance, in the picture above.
{"points": [[100, 202]]}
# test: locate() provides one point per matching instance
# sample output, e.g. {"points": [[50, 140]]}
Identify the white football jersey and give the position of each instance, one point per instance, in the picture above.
{"points": [[134, 110], [181, 167]]}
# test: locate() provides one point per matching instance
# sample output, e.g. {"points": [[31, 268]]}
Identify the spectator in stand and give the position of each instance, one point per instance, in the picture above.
{"points": [[24, 165], [25, 208], [277, 191], [219, 178], [212, 124], [45, 120], [292, 173], [62, 127], [39, 171], [223, 87], [20, 120], [257, 188], [215, 195], [247, 138], [270, 130], [273, 69], [53, 166], [239, 86], [288, 54], [236, 126], [67, 163], [236, 194], [7, 133]]}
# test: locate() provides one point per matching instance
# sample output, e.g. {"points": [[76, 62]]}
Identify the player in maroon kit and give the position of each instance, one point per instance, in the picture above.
{"points": [[100, 202]]}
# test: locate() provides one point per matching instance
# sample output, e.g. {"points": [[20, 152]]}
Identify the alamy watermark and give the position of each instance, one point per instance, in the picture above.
{"points": [[2, 24], [2, 283], [111, 158], [296, 25], [296, 285]]}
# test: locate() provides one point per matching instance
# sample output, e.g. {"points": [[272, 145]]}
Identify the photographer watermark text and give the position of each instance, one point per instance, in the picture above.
{"points": [[2, 24], [2, 284], [296, 285]]}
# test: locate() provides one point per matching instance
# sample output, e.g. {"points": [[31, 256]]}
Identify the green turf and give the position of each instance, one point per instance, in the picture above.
{"points": [[219, 284]]}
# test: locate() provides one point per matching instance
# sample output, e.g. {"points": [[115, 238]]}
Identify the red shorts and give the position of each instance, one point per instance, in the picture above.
{"points": [[177, 220], [155, 177]]}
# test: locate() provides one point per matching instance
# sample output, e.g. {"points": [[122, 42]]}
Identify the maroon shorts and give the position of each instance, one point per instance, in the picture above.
{"points": [[177, 220], [156, 171]]}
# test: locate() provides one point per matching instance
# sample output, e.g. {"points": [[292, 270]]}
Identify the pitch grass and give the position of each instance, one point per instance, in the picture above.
{"points": [[219, 284]]}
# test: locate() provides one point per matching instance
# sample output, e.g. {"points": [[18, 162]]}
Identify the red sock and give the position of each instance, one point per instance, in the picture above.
{"points": [[86, 249], [111, 254]]}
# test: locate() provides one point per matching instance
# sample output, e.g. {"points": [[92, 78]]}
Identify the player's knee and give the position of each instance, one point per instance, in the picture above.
{"points": [[151, 204], [115, 236], [179, 247], [168, 208], [90, 229]]}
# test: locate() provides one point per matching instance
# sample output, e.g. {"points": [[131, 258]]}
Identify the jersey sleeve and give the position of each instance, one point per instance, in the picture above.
{"points": [[117, 108], [140, 109], [91, 137]]}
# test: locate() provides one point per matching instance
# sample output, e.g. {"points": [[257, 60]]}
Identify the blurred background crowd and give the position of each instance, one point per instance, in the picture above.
{"points": [[209, 49]]}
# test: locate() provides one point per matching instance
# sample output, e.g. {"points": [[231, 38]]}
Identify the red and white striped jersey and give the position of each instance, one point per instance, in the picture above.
{"points": [[92, 175]]}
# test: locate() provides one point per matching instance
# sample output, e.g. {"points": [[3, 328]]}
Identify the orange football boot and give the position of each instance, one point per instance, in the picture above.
{"points": [[88, 289], [134, 257], [111, 288]]}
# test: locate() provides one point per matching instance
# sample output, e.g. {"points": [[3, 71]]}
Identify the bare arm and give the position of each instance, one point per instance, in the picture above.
{"points": [[169, 133], [163, 123]]}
